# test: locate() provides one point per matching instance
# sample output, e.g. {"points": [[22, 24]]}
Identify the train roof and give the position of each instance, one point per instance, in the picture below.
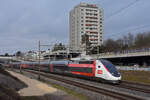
{"points": [[15, 63]]}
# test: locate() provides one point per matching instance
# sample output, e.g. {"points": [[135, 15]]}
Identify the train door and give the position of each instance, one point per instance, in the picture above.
{"points": [[51, 67]]}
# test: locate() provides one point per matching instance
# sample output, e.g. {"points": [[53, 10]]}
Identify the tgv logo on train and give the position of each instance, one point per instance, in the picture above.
{"points": [[99, 70]]}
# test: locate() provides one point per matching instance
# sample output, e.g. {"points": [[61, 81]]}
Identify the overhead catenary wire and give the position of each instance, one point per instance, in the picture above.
{"points": [[122, 9], [128, 31]]}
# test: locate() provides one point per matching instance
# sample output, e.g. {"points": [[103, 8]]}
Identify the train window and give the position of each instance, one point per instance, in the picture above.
{"points": [[109, 66], [81, 69], [74, 62]]}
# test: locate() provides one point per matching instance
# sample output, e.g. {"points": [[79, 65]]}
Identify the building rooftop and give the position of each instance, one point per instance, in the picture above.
{"points": [[87, 5]]}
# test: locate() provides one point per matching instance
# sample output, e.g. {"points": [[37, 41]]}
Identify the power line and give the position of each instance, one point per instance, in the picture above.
{"points": [[134, 29], [122, 9], [119, 11], [102, 1]]}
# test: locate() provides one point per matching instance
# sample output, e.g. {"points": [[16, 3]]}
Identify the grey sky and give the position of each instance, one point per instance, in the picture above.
{"points": [[24, 22]]}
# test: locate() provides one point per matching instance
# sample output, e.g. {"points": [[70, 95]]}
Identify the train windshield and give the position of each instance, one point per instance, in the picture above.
{"points": [[111, 68]]}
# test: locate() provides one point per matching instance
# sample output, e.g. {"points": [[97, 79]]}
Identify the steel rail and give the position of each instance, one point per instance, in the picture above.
{"points": [[117, 95]]}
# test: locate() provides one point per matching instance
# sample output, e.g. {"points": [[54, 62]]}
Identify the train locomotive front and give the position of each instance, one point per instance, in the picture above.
{"points": [[107, 71]]}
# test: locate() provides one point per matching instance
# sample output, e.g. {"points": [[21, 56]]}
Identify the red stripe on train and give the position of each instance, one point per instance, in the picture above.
{"points": [[51, 68], [81, 65], [24, 65], [94, 67], [84, 74]]}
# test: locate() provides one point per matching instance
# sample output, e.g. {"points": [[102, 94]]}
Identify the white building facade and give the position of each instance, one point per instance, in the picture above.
{"points": [[86, 19]]}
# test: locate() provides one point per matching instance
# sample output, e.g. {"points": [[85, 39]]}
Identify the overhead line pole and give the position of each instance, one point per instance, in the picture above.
{"points": [[39, 67], [39, 60]]}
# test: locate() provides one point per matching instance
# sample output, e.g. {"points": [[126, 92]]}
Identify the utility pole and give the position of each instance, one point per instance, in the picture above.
{"points": [[49, 55], [39, 51], [20, 68], [39, 60]]}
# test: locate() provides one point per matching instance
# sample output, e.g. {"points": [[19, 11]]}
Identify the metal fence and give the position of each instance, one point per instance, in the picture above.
{"points": [[132, 68]]}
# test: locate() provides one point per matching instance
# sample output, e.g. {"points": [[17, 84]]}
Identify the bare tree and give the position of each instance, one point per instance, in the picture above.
{"points": [[139, 41], [59, 46], [86, 41], [6, 54], [111, 45], [19, 53], [130, 40]]}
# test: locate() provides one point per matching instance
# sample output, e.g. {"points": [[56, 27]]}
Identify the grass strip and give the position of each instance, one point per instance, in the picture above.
{"points": [[136, 76], [80, 96]]}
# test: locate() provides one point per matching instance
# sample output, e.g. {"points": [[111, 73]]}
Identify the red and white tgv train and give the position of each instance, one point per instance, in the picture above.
{"points": [[102, 70]]}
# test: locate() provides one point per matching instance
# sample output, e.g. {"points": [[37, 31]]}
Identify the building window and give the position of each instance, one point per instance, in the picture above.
{"points": [[95, 14], [81, 9], [91, 28], [87, 13], [81, 24]]}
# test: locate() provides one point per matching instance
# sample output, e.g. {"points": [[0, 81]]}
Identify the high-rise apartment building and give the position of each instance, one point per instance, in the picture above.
{"points": [[86, 19]]}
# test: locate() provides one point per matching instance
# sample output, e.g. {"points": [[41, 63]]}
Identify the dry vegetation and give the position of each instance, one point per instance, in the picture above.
{"points": [[8, 94], [136, 76], [9, 85]]}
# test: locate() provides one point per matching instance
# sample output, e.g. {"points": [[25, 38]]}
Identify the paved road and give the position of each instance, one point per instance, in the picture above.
{"points": [[35, 88]]}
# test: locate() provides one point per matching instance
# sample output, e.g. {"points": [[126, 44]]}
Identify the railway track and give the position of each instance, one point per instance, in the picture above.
{"points": [[117, 95], [135, 86], [134, 83]]}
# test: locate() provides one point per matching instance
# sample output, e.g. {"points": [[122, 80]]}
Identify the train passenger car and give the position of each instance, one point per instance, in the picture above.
{"points": [[82, 67], [102, 70], [44, 66], [26, 65], [59, 66], [15, 64]]}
